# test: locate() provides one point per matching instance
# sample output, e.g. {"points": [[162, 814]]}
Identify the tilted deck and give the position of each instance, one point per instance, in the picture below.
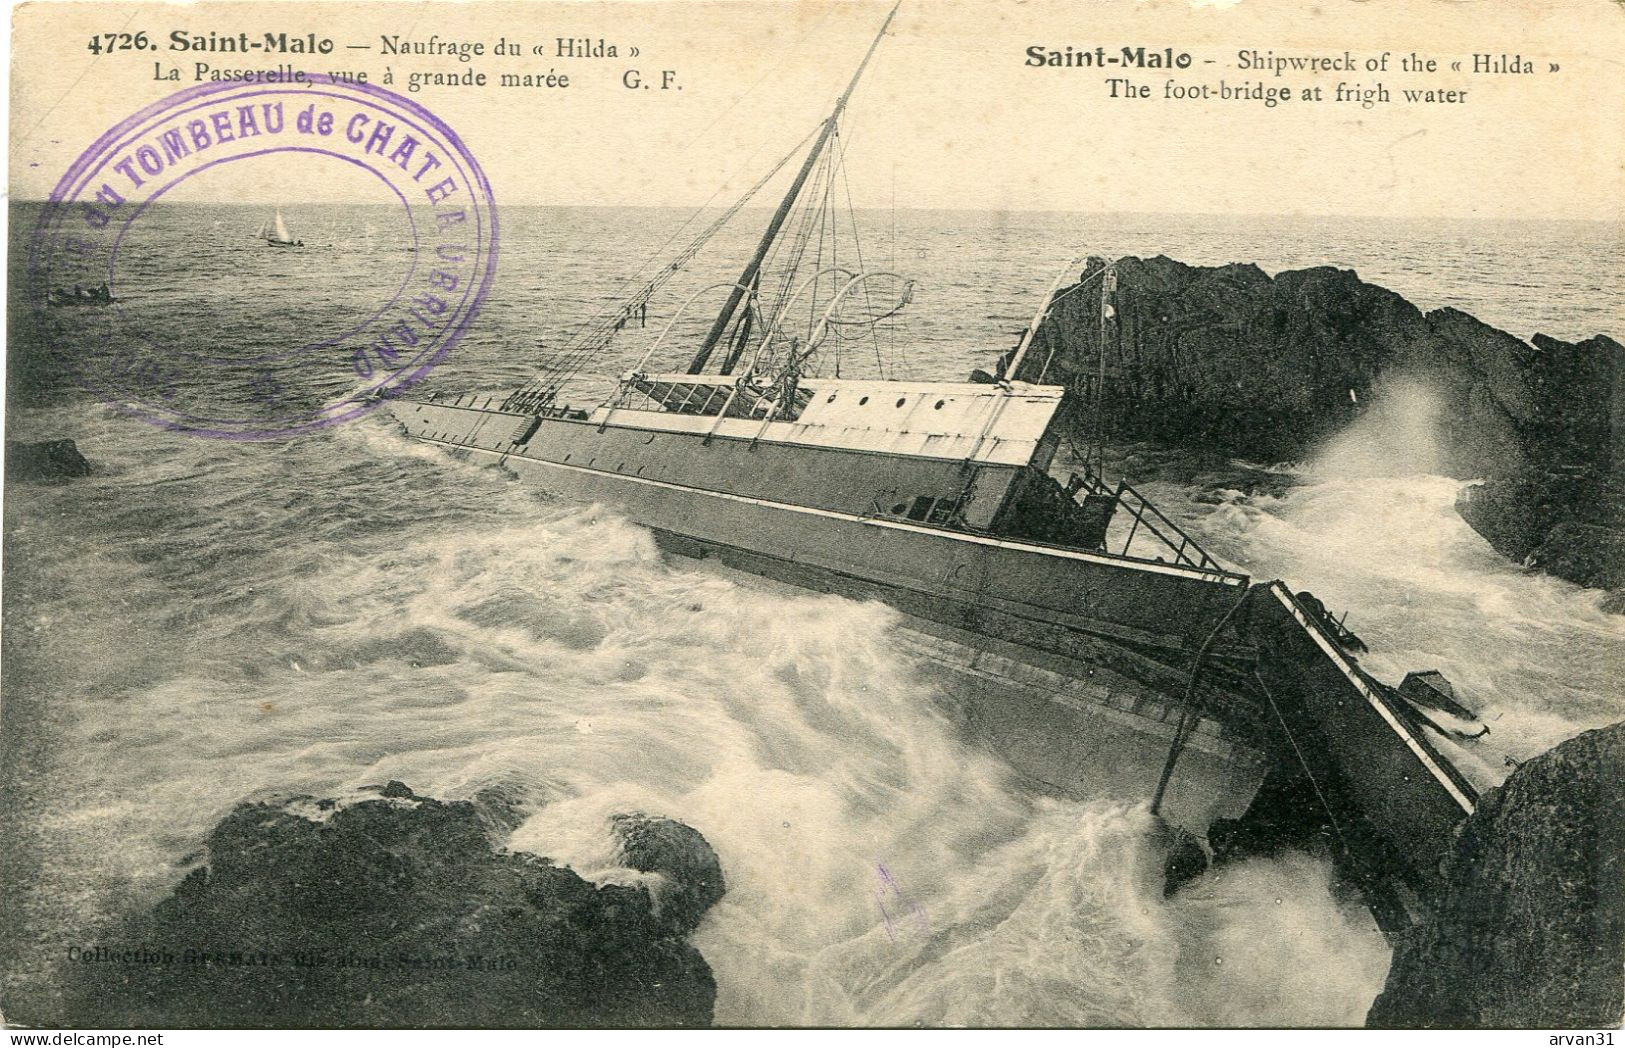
{"points": [[832, 513]]}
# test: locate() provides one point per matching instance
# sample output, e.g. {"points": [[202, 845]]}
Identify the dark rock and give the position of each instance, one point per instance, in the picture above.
{"points": [[1513, 513], [396, 911], [692, 873], [1585, 553], [1186, 860], [1227, 358], [501, 808], [46, 460], [1285, 813], [1529, 930], [1614, 603], [1565, 524]]}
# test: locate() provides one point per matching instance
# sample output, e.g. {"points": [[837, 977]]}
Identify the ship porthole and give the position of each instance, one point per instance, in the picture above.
{"points": [[900, 401], [830, 399], [862, 401], [938, 405]]}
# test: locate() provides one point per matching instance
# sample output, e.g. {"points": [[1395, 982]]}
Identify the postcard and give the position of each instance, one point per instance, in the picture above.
{"points": [[795, 513]]}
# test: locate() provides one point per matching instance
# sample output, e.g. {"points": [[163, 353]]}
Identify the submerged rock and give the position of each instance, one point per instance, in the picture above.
{"points": [[1530, 929], [1515, 511], [1565, 524], [45, 460], [397, 911], [692, 874]]}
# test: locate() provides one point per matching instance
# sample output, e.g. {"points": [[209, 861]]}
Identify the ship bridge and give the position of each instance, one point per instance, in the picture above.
{"points": [[1009, 424]]}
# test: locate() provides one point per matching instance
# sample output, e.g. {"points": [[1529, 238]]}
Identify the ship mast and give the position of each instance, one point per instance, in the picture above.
{"points": [[748, 280]]}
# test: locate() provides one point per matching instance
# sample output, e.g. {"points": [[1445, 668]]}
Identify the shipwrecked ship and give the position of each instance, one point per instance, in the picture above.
{"points": [[1081, 631]]}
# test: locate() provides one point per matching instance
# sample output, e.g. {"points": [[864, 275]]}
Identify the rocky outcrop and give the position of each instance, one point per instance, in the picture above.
{"points": [[1515, 512], [1530, 928], [1591, 555], [691, 874], [397, 911], [1564, 524], [1264, 368], [45, 460]]}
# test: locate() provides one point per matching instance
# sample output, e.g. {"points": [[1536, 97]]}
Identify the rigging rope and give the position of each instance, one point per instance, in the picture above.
{"points": [[798, 246], [782, 260], [857, 244], [600, 330], [1189, 717]]}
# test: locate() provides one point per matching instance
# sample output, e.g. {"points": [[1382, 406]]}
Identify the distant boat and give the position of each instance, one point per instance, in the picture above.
{"points": [[275, 233], [60, 297]]}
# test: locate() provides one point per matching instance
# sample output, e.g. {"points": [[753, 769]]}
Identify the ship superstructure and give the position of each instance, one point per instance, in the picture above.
{"points": [[1081, 631]]}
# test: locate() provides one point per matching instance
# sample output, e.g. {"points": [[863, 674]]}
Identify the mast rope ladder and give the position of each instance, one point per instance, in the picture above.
{"points": [[601, 328], [776, 223]]}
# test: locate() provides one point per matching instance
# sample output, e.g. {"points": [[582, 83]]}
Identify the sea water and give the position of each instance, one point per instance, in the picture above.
{"points": [[205, 621]]}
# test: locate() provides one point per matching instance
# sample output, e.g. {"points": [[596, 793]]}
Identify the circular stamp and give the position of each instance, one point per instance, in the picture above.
{"points": [[256, 260]]}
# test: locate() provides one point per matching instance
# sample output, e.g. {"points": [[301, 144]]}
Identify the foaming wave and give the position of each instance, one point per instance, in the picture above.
{"points": [[1533, 653], [1398, 435], [438, 623], [815, 761], [1064, 924], [881, 870], [1267, 942]]}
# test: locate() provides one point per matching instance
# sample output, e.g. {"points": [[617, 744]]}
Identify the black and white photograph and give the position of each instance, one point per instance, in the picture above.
{"points": [[941, 514]]}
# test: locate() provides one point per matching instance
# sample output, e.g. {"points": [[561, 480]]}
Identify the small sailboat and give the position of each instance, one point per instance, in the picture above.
{"points": [[275, 233]]}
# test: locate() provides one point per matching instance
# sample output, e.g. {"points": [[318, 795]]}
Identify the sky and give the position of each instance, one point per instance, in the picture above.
{"points": [[948, 116]]}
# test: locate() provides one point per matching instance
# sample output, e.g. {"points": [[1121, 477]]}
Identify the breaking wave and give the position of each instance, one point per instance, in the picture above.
{"points": [[206, 622]]}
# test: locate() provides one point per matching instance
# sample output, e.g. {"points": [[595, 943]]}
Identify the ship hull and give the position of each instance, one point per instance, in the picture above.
{"points": [[1090, 673], [1071, 665], [738, 493], [1085, 732], [1070, 726]]}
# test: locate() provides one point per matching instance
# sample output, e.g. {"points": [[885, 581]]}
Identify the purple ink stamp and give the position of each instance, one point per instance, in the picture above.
{"points": [[260, 259], [890, 891]]}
